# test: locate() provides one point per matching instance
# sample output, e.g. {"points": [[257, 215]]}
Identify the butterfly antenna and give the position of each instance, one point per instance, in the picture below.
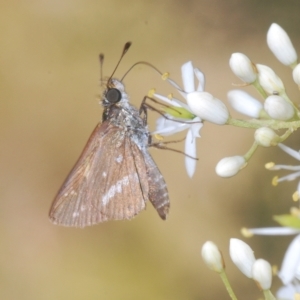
{"points": [[165, 76], [125, 49], [101, 59], [142, 63]]}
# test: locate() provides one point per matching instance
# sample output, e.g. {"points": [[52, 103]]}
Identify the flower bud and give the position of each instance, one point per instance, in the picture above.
{"points": [[244, 103], [270, 82], [278, 109], [242, 67], [281, 45], [266, 137], [229, 166], [296, 74], [242, 256], [262, 273], [212, 257], [208, 108]]}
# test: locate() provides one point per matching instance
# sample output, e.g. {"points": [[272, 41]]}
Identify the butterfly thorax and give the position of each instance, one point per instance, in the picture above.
{"points": [[125, 116]]}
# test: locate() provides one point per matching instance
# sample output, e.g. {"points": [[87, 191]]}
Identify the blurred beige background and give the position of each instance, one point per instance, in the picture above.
{"points": [[49, 106]]}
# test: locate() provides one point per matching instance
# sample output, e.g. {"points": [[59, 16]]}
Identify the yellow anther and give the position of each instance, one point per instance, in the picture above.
{"points": [[158, 137], [295, 211], [274, 270], [151, 93], [165, 76], [297, 296], [275, 181], [295, 196], [246, 232], [269, 165], [170, 96]]}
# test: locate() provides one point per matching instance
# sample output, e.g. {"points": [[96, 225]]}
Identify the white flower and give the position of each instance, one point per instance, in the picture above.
{"points": [[242, 256], [212, 257], [242, 67], [281, 45], [269, 81], [229, 166], [262, 273], [278, 109], [244, 103], [266, 137], [173, 122]]}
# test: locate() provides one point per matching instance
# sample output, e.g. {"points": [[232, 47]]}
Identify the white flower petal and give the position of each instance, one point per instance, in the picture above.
{"points": [[167, 127], [195, 128], [201, 78], [285, 167], [208, 108], [274, 231], [190, 149], [289, 177], [291, 261], [290, 151], [187, 73]]}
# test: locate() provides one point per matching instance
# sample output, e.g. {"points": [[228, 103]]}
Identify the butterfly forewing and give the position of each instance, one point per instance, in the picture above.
{"points": [[108, 182]]}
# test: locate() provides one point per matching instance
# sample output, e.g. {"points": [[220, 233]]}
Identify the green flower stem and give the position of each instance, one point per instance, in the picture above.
{"points": [[251, 151], [285, 136], [257, 85], [227, 285], [268, 295], [255, 124]]}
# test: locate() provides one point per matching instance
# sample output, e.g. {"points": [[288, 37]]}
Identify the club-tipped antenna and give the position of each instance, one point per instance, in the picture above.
{"points": [[125, 49], [101, 59]]}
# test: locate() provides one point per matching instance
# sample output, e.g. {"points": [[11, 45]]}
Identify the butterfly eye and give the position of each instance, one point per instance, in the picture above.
{"points": [[113, 95]]}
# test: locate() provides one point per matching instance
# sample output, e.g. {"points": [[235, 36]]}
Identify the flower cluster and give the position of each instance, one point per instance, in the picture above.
{"points": [[275, 112], [243, 257]]}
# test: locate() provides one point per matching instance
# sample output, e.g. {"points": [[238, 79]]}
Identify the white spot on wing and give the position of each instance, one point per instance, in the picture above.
{"points": [[119, 159], [75, 214], [117, 188]]}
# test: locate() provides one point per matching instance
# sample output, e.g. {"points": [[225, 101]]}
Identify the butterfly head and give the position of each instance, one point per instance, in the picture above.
{"points": [[114, 93]]}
